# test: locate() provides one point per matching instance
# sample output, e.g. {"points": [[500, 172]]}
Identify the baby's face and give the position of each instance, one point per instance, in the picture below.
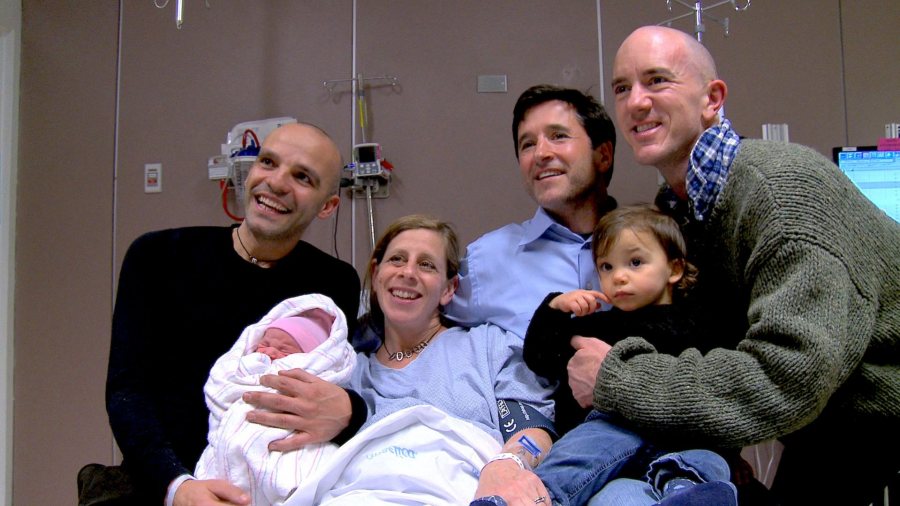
{"points": [[277, 343], [636, 272]]}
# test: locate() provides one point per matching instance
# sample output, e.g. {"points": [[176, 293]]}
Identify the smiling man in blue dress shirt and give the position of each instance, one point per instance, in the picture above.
{"points": [[564, 144]]}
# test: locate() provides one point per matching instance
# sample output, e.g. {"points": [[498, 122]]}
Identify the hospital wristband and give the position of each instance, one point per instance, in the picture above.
{"points": [[511, 456]]}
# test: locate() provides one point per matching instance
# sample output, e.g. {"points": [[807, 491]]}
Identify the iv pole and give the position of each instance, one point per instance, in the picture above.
{"points": [[698, 12], [360, 113], [358, 105], [179, 10]]}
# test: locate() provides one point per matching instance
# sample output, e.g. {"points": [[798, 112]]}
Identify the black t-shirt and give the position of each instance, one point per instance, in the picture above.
{"points": [[184, 297]]}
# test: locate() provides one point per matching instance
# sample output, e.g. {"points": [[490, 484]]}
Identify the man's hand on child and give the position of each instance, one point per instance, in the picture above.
{"points": [[584, 367], [209, 493], [313, 408]]}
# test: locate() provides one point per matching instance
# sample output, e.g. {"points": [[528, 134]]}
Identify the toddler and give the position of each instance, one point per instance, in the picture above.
{"points": [[641, 260]]}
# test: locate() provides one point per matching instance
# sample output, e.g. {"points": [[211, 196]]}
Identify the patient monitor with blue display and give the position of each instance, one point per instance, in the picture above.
{"points": [[875, 173]]}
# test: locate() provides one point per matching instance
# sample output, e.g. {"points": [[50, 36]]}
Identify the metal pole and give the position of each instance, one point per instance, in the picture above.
{"points": [[371, 217]]}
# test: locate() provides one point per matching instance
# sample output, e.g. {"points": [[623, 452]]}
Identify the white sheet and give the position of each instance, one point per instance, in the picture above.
{"points": [[416, 456]]}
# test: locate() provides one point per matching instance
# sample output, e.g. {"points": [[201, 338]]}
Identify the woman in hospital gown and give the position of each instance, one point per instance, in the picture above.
{"points": [[432, 390]]}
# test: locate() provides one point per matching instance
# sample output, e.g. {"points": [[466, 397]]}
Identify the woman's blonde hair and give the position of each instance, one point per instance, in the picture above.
{"points": [[374, 316]]}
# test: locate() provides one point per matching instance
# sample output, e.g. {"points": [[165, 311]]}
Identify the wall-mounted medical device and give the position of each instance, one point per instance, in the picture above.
{"points": [[238, 155], [368, 175], [368, 159]]}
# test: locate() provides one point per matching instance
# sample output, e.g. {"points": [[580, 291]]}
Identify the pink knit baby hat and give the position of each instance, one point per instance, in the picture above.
{"points": [[310, 328]]}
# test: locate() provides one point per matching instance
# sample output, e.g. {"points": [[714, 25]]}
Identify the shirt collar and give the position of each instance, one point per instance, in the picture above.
{"points": [[711, 160], [542, 223]]}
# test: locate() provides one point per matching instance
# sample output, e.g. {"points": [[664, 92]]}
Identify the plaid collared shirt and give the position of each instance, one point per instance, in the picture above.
{"points": [[710, 160]]}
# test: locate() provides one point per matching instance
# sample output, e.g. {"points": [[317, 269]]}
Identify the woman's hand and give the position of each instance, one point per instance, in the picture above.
{"points": [[504, 477], [209, 493], [516, 486], [314, 409]]}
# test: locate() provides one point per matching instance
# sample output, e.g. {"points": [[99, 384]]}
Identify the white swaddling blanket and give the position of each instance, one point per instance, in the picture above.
{"points": [[416, 456], [238, 450]]}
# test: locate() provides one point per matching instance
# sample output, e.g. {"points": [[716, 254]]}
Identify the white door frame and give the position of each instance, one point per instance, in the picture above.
{"points": [[10, 43]]}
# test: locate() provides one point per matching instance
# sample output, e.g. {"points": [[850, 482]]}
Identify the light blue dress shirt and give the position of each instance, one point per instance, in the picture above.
{"points": [[508, 272]]}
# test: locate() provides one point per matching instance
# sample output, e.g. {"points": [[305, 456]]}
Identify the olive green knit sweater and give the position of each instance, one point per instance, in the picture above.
{"points": [[800, 274]]}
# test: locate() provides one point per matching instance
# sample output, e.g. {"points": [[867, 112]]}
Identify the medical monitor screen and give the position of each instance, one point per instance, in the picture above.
{"points": [[875, 173], [366, 153]]}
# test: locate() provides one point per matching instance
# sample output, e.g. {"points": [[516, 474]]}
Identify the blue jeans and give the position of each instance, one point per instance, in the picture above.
{"points": [[597, 451], [661, 483]]}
